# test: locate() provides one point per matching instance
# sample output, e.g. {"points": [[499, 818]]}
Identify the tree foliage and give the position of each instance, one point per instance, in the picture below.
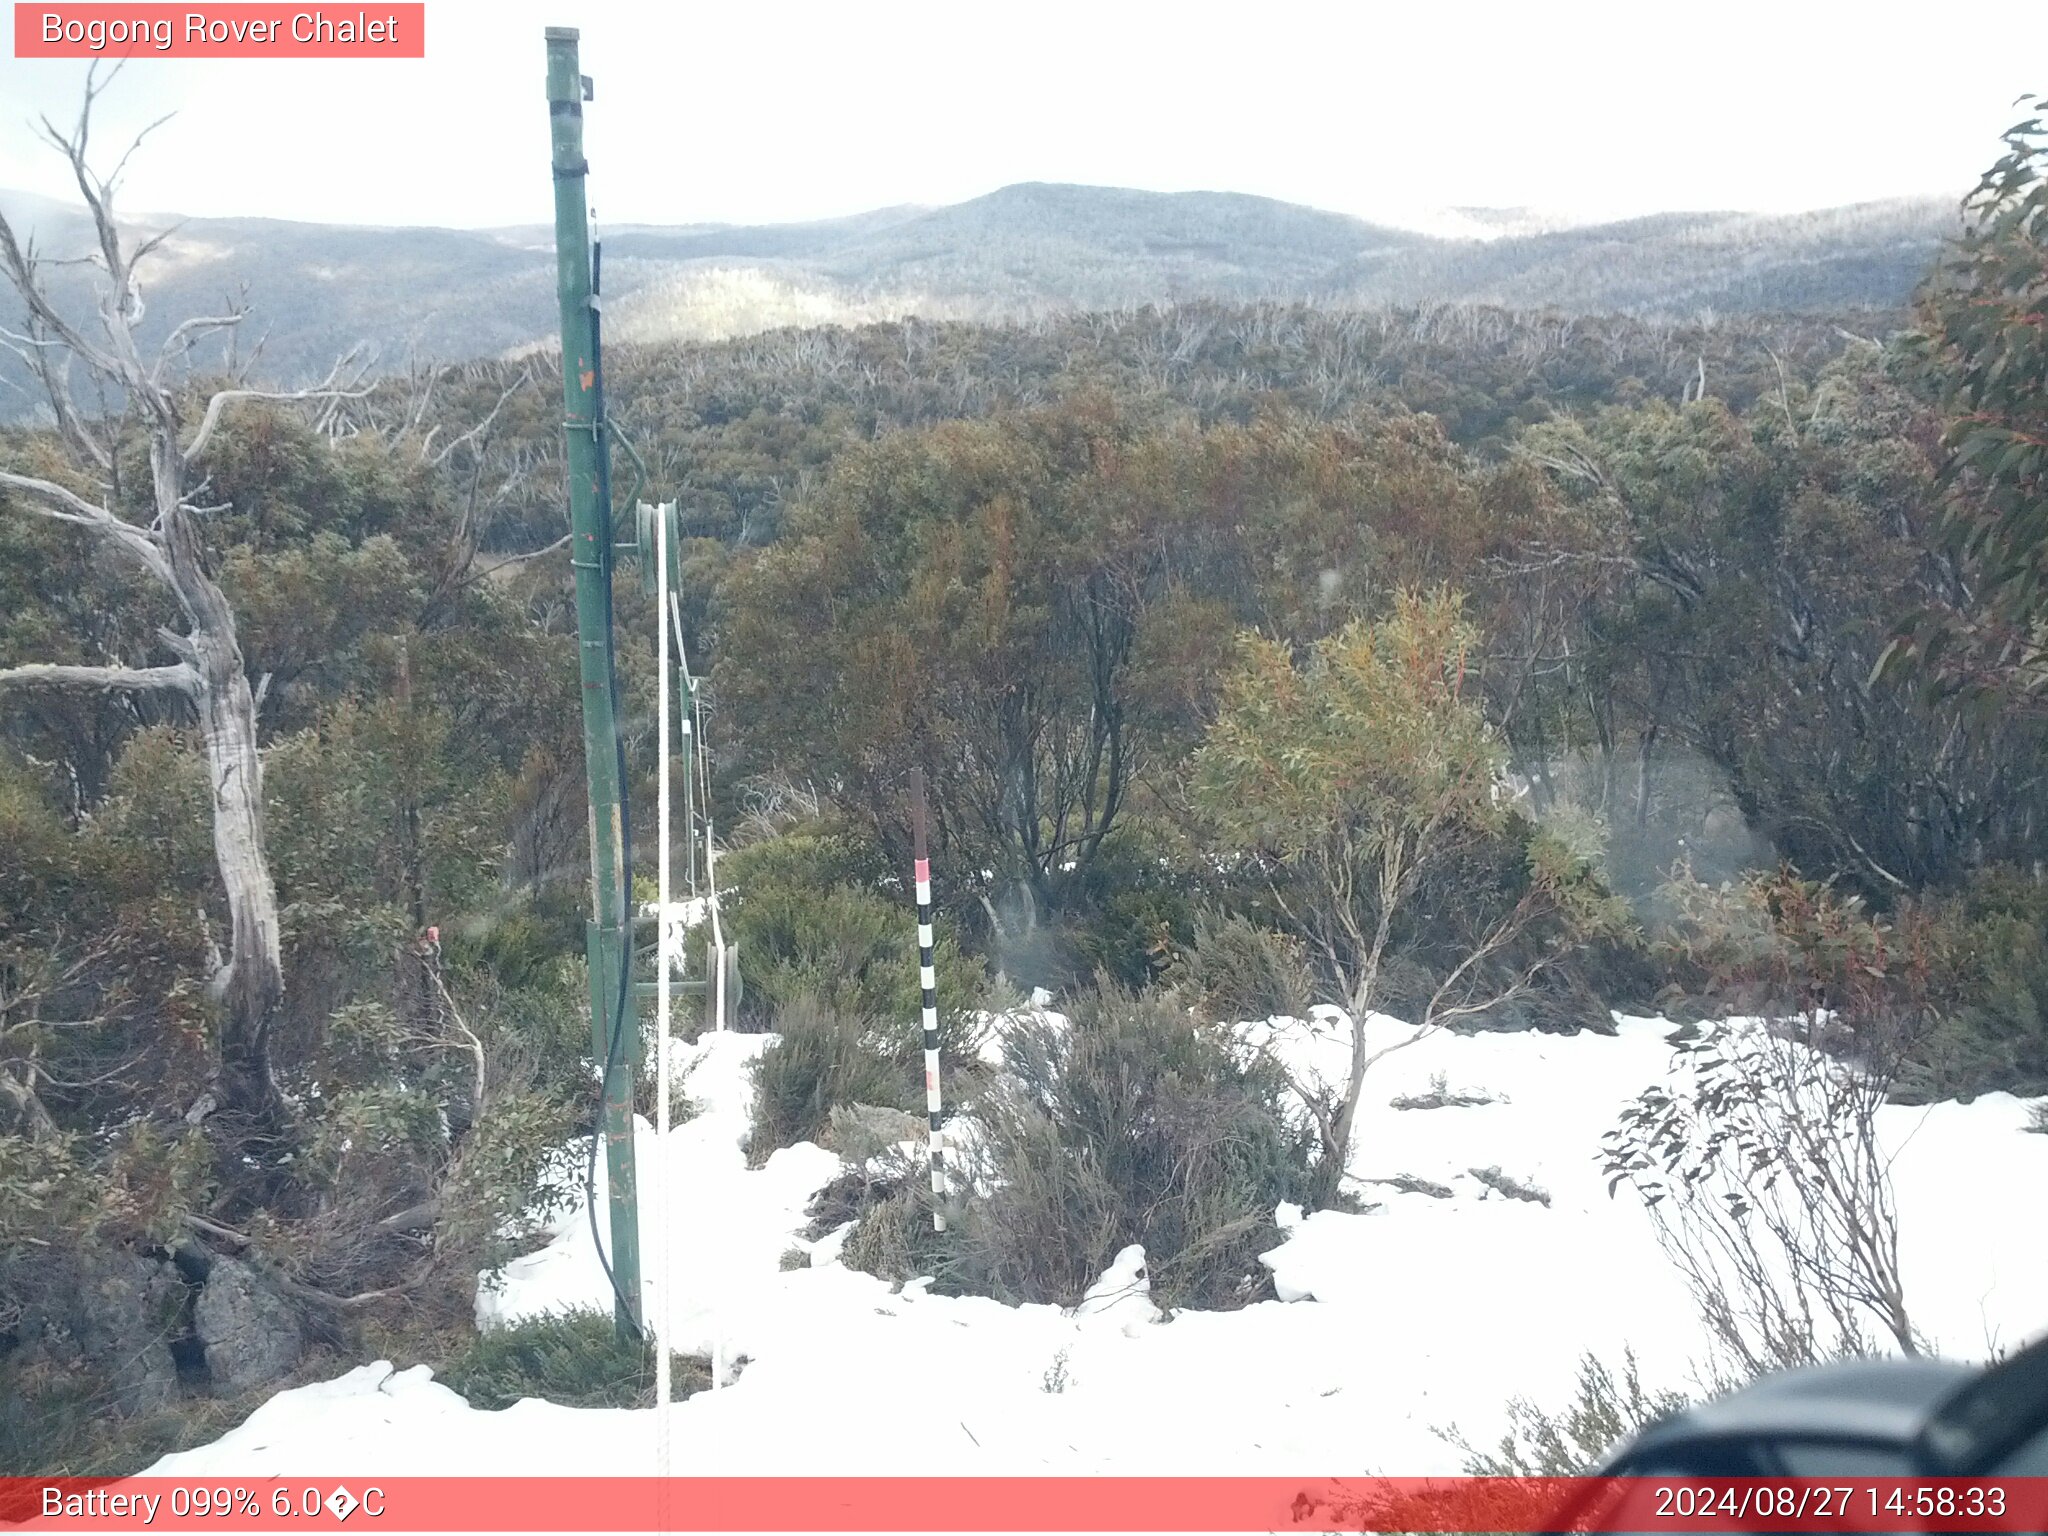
{"points": [[1982, 348], [1366, 785]]}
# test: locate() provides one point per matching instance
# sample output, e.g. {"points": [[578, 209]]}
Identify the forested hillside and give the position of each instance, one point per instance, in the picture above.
{"points": [[1491, 667], [1024, 252]]}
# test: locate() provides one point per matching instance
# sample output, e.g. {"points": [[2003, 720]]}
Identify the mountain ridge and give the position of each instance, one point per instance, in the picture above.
{"points": [[1022, 251]]}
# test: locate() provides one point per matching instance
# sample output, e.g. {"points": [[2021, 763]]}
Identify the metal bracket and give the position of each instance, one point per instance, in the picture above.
{"points": [[643, 544]]}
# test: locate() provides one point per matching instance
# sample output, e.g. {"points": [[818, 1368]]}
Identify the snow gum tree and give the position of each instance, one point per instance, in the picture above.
{"points": [[1364, 782], [152, 518], [1981, 350]]}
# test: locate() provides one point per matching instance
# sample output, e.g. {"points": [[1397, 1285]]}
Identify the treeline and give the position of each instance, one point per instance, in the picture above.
{"points": [[1676, 612], [736, 430]]}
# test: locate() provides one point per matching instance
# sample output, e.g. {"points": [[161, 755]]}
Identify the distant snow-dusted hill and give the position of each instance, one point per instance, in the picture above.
{"points": [[1025, 250]]}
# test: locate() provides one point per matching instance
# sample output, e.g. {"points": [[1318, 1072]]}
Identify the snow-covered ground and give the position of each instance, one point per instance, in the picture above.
{"points": [[1424, 1313]]}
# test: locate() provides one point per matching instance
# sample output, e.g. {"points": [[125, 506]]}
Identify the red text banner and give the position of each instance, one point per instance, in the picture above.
{"points": [[233, 31], [1051, 1504]]}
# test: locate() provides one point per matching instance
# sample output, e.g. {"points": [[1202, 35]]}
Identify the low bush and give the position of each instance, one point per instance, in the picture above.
{"points": [[1128, 912], [1136, 1124], [1991, 943], [1572, 1440], [1974, 961], [70, 1427], [824, 1059], [820, 1058], [1237, 970], [894, 1236], [573, 1358], [808, 921]]}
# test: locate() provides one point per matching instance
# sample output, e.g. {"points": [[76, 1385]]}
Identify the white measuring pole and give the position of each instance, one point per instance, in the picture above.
{"points": [[664, 1295], [698, 782], [928, 984]]}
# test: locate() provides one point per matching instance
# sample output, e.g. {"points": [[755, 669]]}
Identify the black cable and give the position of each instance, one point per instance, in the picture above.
{"points": [[616, 1034]]}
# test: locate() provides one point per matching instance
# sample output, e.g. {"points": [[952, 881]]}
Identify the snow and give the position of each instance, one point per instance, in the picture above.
{"points": [[1123, 1295], [677, 919], [756, 1214], [1419, 1314]]}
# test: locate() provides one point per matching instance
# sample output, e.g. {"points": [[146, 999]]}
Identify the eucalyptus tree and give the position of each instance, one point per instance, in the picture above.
{"points": [[136, 483]]}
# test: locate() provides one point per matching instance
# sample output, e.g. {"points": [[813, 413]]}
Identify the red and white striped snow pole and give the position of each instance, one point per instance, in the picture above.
{"points": [[928, 980]]}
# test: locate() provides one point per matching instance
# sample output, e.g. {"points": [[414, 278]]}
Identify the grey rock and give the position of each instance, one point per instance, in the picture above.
{"points": [[108, 1314], [252, 1332]]}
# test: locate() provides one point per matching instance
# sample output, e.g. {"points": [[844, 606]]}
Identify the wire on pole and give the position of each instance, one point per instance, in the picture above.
{"points": [[664, 945], [697, 789], [928, 981], [696, 792]]}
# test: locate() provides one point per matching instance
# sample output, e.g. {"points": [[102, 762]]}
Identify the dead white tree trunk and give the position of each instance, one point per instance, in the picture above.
{"points": [[208, 670]]}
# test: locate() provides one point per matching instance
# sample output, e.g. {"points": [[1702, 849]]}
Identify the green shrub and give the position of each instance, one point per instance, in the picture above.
{"points": [[1972, 965], [65, 1425], [1238, 970], [816, 853], [524, 943], [1570, 1441], [823, 1058], [1138, 1124], [1128, 912], [1992, 942], [808, 921], [573, 1358], [895, 1237], [820, 1058]]}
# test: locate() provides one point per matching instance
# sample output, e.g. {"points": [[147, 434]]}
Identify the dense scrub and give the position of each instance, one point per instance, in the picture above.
{"points": [[1132, 1122]]}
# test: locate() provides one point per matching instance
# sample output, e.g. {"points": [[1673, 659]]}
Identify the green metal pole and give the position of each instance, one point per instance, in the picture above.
{"points": [[614, 1036]]}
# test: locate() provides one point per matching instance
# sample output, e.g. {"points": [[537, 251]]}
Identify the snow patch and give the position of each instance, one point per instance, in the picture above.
{"points": [[1418, 1314]]}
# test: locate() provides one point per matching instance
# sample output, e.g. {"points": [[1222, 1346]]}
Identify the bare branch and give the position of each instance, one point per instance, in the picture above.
{"points": [[20, 268], [329, 388], [15, 342], [188, 333], [66, 506], [114, 178], [243, 1243], [476, 1046], [483, 427], [493, 567], [176, 678], [171, 546], [49, 360]]}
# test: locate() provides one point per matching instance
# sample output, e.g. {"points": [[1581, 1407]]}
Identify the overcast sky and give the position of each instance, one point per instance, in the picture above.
{"points": [[768, 110]]}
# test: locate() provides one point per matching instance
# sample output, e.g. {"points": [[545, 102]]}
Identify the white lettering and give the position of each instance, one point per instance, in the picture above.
{"points": [[98, 34], [319, 27], [203, 28]]}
